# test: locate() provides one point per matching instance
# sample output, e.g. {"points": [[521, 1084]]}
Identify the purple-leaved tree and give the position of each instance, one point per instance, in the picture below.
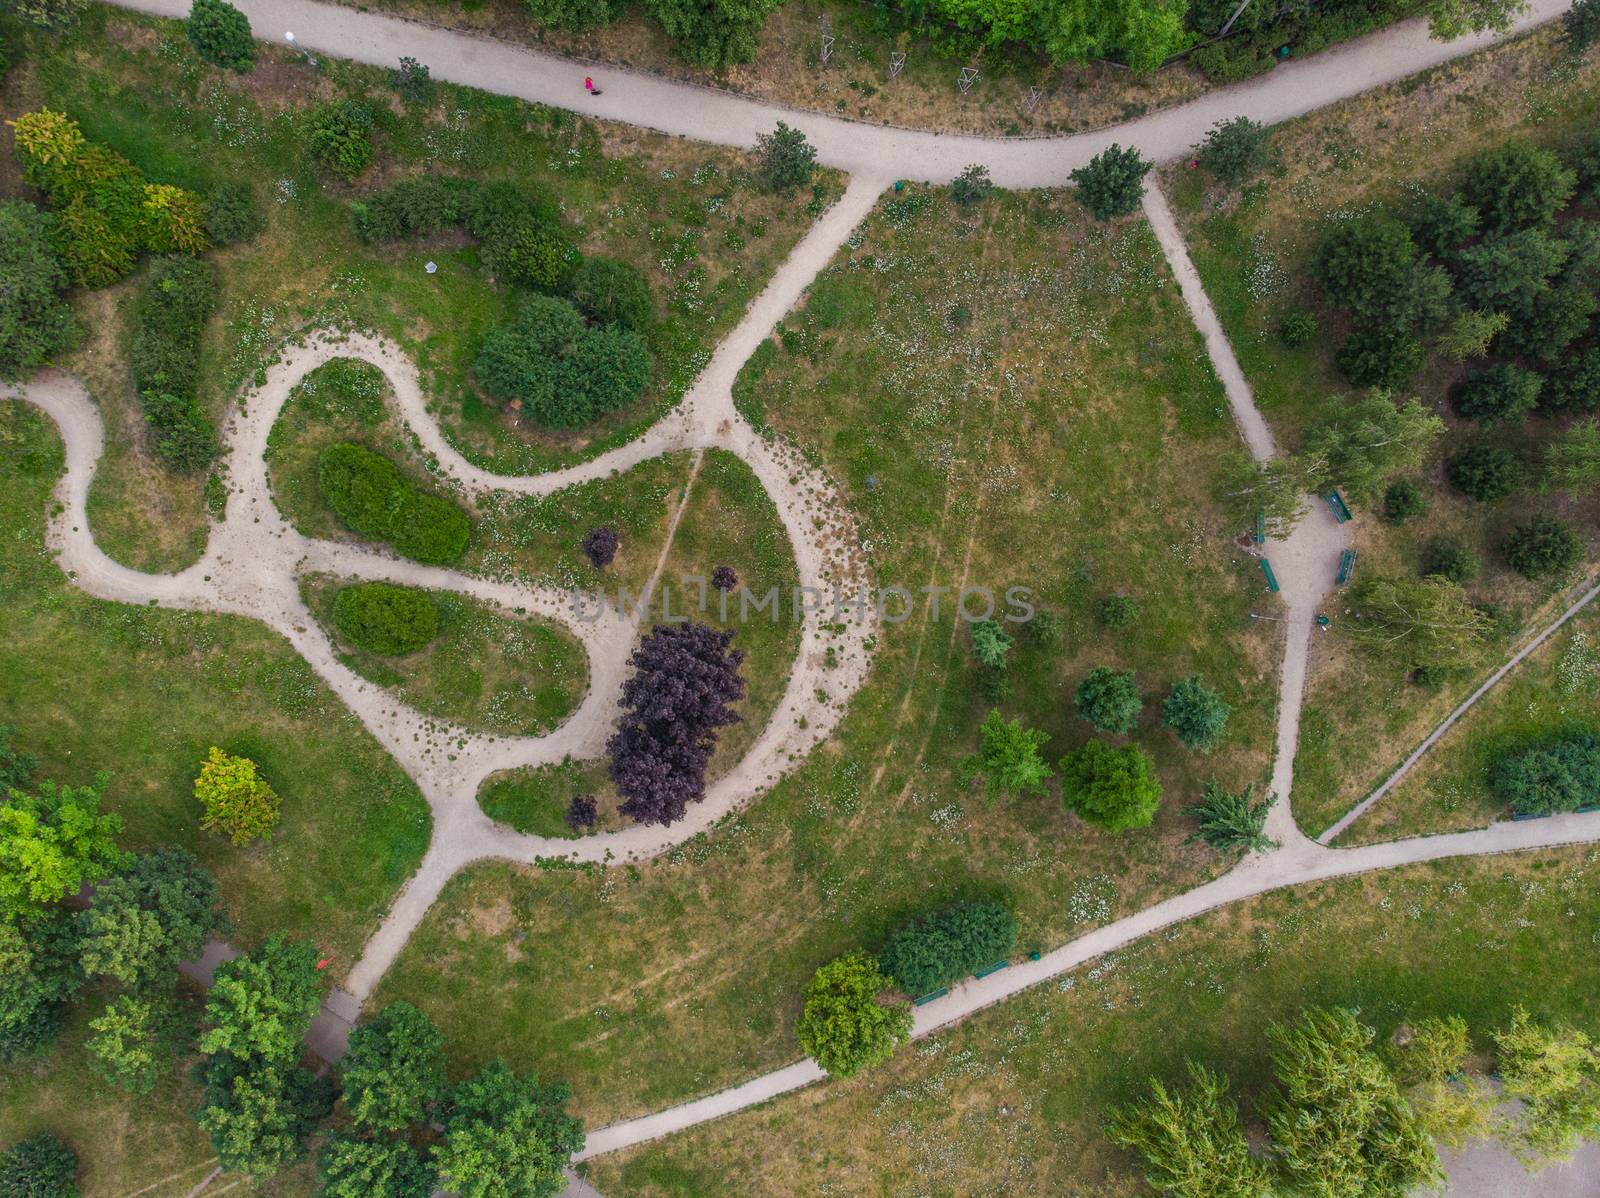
{"points": [[684, 679]]}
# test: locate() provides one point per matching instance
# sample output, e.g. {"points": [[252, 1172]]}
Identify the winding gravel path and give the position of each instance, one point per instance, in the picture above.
{"points": [[254, 557]]}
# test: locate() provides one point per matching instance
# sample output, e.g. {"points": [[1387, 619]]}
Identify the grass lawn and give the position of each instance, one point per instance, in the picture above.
{"points": [[1555, 688], [686, 214], [142, 692], [1363, 713], [1010, 396], [1012, 1099], [147, 1144], [486, 669]]}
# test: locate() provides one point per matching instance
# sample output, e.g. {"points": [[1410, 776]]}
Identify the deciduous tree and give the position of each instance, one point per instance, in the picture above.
{"points": [[684, 682], [1554, 1072], [234, 799], [137, 1039], [1429, 620], [394, 1069], [507, 1136], [260, 1005], [35, 319], [1455, 1107], [144, 921], [53, 841], [353, 1167], [1236, 151], [846, 1026], [1365, 442]]}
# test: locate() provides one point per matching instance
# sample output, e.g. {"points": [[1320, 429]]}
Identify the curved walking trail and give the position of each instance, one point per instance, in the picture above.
{"points": [[254, 557]]}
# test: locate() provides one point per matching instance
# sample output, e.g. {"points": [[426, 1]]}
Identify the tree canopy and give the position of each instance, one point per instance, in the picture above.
{"points": [[394, 1068], [1196, 714], [159, 911], [1429, 620], [262, 1004], [1108, 699], [53, 841], [1113, 789], [35, 319], [507, 1135], [845, 1026], [1189, 1141], [1008, 758]]}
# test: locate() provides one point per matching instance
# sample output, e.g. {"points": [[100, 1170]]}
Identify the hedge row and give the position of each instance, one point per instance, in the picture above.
{"points": [[1554, 776], [384, 619], [371, 497], [948, 945], [178, 299]]}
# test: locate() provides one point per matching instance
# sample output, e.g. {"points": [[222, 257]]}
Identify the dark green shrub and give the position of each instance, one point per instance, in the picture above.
{"points": [[1450, 559], [220, 34], [384, 619], [1112, 184], [1363, 263], [1108, 699], [363, 488], [1119, 611], [1196, 714], [39, 1167], [1576, 384], [164, 358], [787, 159], [612, 292], [971, 186], [1236, 151], [1502, 392], [1110, 788], [1581, 25], [413, 81], [948, 945], [1381, 356], [1488, 473], [411, 207], [565, 374], [1046, 629], [1431, 678], [53, 15], [231, 214], [1543, 546], [371, 497], [1403, 501], [1297, 329], [1441, 223], [1559, 775], [1551, 321], [339, 137], [1516, 185], [430, 530], [35, 319]]}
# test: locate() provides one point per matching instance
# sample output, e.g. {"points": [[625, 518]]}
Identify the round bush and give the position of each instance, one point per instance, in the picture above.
{"points": [[1559, 775], [600, 546], [1487, 473], [1502, 392], [220, 34], [231, 214], [1381, 357], [339, 136], [388, 620], [430, 530], [612, 292], [1452, 560], [1543, 546], [1119, 611], [363, 488], [39, 1167], [582, 813], [1403, 501]]}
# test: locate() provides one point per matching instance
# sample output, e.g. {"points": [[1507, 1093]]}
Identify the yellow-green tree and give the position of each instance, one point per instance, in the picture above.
{"points": [[235, 800]]}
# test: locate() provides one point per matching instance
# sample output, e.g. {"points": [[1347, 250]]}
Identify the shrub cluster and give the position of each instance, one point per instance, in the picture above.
{"points": [[371, 497], [564, 372], [178, 299], [385, 619], [106, 213], [35, 320], [339, 137], [1558, 775], [948, 945]]}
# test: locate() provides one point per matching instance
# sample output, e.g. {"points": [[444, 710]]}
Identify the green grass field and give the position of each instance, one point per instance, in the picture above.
{"points": [[1056, 431], [1013, 1097]]}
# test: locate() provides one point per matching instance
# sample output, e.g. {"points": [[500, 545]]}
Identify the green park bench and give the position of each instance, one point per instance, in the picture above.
{"points": [[1261, 527], [1341, 511], [1347, 565], [995, 968], [917, 1002], [1272, 579]]}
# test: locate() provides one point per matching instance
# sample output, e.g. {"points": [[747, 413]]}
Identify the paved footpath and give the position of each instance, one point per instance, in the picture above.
{"points": [[1289, 90], [874, 155]]}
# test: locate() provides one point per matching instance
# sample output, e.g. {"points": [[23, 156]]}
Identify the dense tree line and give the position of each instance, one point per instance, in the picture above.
{"points": [[1348, 1118]]}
